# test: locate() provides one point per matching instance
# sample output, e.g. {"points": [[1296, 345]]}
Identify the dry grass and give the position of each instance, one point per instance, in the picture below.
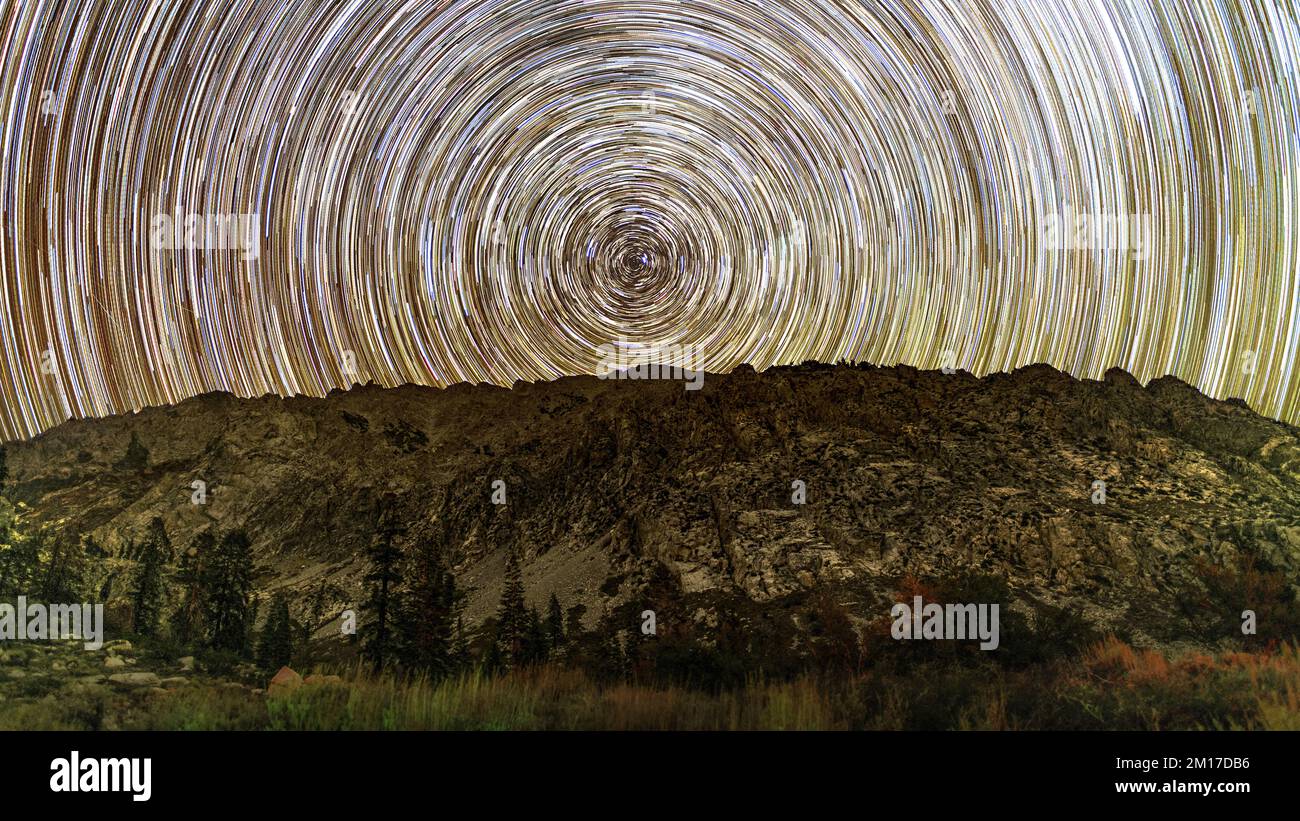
{"points": [[1112, 685], [544, 698]]}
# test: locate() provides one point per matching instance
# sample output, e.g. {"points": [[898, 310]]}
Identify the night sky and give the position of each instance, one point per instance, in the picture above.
{"points": [[284, 196]]}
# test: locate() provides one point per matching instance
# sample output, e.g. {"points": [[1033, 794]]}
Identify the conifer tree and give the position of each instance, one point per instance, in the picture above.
{"points": [[512, 615], [156, 535], [536, 648], [65, 571], [187, 618], [275, 647], [147, 589], [459, 646], [227, 584], [430, 608], [493, 659], [384, 581]]}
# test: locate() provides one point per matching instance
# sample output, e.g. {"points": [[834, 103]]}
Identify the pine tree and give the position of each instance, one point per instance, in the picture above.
{"points": [[228, 588], [493, 660], [187, 618], [147, 590], [65, 571], [4, 470], [459, 653], [536, 647], [384, 580], [512, 615], [156, 536], [430, 608], [275, 648]]}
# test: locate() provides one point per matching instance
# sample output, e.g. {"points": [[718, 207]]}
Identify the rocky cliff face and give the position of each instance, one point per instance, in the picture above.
{"points": [[616, 491]]}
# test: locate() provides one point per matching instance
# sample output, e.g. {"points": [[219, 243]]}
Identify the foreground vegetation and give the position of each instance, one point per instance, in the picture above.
{"points": [[1111, 686], [194, 645]]}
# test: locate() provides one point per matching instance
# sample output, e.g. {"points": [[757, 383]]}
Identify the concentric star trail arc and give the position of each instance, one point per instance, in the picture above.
{"points": [[490, 190]]}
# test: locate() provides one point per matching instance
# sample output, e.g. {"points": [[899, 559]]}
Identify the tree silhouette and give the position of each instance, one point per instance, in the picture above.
{"points": [[512, 615], [187, 619], [275, 648], [228, 588], [384, 580], [147, 582], [430, 612]]}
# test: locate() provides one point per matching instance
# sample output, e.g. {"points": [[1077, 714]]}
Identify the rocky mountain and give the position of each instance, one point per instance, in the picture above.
{"points": [[744, 496]]}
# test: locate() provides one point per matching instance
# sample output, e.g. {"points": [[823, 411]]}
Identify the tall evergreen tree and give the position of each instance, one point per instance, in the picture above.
{"points": [[492, 660], [147, 589], [430, 607], [156, 536], [228, 590], [384, 581], [536, 648], [512, 615], [459, 646], [187, 618], [4, 469], [65, 571], [275, 648]]}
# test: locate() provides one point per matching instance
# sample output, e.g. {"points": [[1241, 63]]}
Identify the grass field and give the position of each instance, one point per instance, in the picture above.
{"points": [[1110, 686]]}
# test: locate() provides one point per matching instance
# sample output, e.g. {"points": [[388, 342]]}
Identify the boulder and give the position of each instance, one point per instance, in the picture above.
{"points": [[284, 681]]}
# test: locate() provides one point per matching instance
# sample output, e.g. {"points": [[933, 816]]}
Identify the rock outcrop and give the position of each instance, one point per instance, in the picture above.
{"points": [[1104, 495]]}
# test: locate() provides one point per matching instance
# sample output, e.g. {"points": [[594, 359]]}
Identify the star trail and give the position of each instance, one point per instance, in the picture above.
{"points": [[275, 196]]}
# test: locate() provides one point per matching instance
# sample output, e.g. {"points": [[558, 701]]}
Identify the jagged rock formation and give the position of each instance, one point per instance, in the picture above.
{"points": [[617, 490]]}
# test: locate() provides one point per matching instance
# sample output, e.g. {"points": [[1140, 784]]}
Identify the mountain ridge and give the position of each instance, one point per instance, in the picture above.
{"points": [[623, 492]]}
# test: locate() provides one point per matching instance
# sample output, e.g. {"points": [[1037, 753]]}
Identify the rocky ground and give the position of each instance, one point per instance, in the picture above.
{"points": [[52, 676], [620, 494]]}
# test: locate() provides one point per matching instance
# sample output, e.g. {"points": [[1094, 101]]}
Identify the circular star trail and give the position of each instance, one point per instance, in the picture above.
{"points": [[288, 196]]}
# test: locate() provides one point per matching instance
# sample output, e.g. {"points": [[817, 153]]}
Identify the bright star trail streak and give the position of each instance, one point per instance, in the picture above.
{"points": [[487, 191]]}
